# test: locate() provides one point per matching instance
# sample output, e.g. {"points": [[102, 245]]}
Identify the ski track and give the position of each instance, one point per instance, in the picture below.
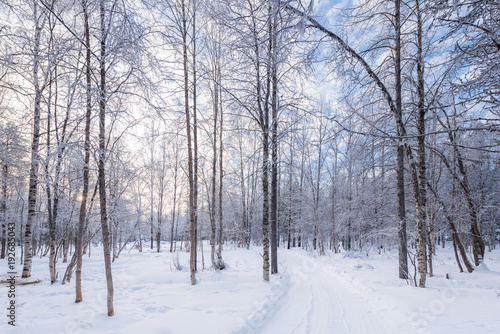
{"points": [[320, 301]]}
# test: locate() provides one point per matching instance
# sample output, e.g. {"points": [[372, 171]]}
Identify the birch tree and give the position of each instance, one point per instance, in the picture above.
{"points": [[86, 148], [39, 82]]}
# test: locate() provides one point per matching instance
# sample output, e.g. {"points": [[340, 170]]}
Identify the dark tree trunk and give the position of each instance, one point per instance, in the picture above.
{"points": [[402, 247], [213, 226], [102, 159], [35, 143], [422, 183], [195, 141], [192, 213], [274, 145], [221, 175]]}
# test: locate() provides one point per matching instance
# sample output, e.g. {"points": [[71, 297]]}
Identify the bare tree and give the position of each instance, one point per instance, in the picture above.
{"points": [[86, 148], [102, 157], [40, 81]]}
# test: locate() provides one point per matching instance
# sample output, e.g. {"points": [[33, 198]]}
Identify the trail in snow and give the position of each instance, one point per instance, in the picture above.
{"points": [[320, 301]]}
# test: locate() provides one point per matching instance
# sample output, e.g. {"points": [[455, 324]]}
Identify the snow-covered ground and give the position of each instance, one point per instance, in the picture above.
{"points": [[334, 293]]}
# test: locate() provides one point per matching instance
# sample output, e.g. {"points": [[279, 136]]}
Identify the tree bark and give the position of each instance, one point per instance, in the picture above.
{"points": [[265, 204], [35, 143], [192, 214], [174, 206], [221, 175], [213, 226], [402, 245], [195, 140], [50, 216], [422, 183], [102, 159], [274, 142]]}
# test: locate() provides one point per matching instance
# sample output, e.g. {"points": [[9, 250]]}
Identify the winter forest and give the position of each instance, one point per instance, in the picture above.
{"points": [[257, 166]]}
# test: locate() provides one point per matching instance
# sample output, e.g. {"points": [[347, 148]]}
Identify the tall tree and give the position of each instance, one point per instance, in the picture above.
{"points": [[275, 8], [39, 81], [402, 243], [221, 169], [195, 132], [86, 149], [104, 29], [422, 177], [191, 176], [214, 49]]}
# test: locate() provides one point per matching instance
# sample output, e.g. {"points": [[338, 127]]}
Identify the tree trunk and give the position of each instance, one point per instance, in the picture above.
{"points": [[35, 143], [455, 241], [334, 184], [50, 217], [86, 148], [52, 202], [158, 234], [274, 143], [422, 177], [221, 177], [290, 190], [265, 205], [151, 217], [192, 213], [244, 209], [102, 159], [195, 142], [61, 141], [402, 245], [174, 206], [214, 172]]}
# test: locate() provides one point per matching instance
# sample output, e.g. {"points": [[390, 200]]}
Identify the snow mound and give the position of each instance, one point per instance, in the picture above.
{"points": [[364, 266]]}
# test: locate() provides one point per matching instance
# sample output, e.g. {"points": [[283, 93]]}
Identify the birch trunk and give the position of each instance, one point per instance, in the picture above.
{"points": [[102, 159], [274, 142], [174, 206], [402, 245], [221, 175], [50, 216], [214, 173], [35, 143], [192, 214], [86, 148], [195, 141], [422, 177]]}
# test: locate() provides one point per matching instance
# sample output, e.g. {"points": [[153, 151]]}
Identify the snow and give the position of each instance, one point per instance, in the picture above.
{"points": [[333, 293], [320, 301]]}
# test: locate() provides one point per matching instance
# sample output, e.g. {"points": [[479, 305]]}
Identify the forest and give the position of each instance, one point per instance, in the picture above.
{"points": [[336, 127]]}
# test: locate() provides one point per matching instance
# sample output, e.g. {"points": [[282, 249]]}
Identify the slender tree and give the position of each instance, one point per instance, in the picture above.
{"points": [[102, 156], [40, 82], [86, 148], [273, 31]]}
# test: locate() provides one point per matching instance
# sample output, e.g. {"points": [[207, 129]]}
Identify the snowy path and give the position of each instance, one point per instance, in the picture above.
{"points": [[320, 301]]}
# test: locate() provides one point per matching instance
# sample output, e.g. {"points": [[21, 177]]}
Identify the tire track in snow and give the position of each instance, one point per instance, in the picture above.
{"points": [[319, 301]]}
